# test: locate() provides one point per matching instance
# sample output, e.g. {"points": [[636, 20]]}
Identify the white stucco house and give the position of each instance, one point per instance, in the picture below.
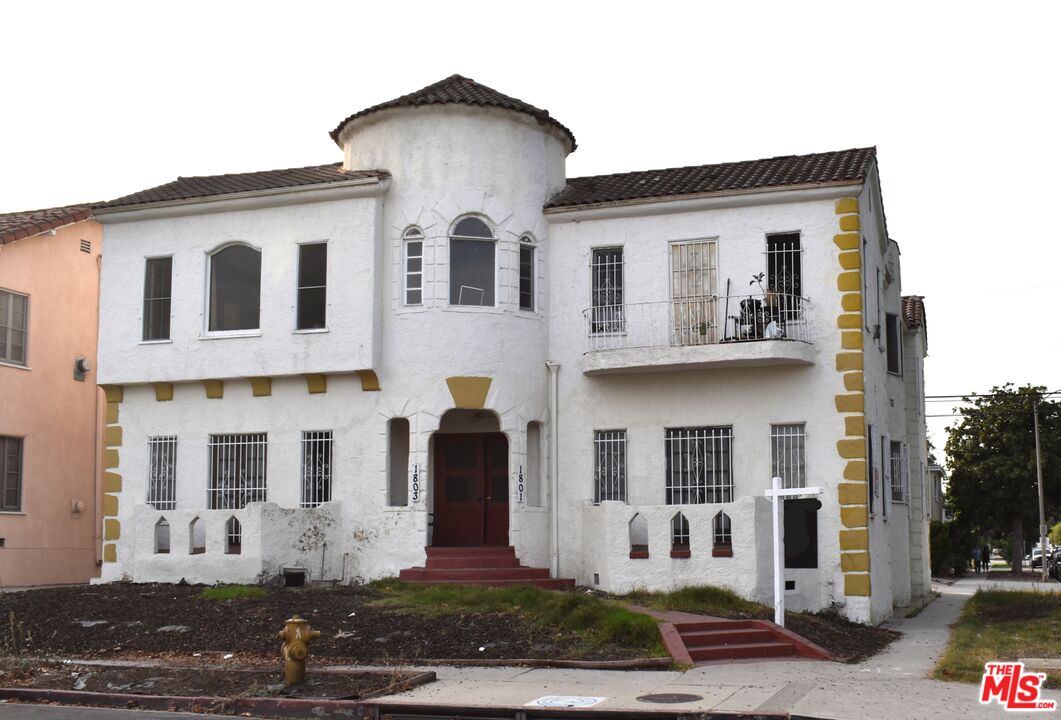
{"points": [[443, 347]]}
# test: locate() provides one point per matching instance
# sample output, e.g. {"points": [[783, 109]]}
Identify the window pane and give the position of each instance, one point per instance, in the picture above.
{"points": [[10, 473], [472, 227], [526, 277], [471, 273], [312, 265], [235, 288], [157, 283], [609, 465], [607, 290], [13, 326], [413, 297], [312, 307]]}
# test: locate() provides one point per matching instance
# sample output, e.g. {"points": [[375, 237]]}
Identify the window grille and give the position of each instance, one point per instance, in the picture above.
{"points": [[233, 537], [610, 465], [10, 474], [679, 533], [237, 470], [884, 465], [526, 273], [694, 292], [788, 454], [14, 323], [871, 470], [699, 465], [898, 476], [158, 283], [162, 472], [607, 291], [312, 286], [784, 272], [316, 467], [414, 266], [721, 531]]}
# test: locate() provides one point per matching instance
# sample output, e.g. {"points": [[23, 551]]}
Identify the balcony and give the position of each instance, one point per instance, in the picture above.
{"points": [[702, 333]]}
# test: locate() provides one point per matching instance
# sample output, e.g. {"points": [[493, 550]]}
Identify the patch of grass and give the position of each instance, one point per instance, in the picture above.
{"points": [[234, 592], [1002, 625], [701, 600], [595, 620]]}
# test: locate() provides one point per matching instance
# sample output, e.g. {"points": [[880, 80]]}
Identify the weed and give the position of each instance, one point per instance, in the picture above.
{"points": [[234, 592]]}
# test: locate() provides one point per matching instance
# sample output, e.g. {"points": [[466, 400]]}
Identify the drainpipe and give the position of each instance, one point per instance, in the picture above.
{"points": [[554, 463]]}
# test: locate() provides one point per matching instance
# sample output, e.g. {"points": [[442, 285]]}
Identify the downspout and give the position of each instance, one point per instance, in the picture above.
{"points": [[97, 468], [554, 463]]}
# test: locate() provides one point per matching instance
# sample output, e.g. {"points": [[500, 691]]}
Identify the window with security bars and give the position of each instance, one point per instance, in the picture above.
{"points": [[413, 239], [699, 465], [14, 323], [784, 274], [788, 457], [158, 281], [898, 476], [526, 273], [694, 292], [316, 467], [10, 474], [237, 470], [162, 472], [609, 467], [607, 291]]}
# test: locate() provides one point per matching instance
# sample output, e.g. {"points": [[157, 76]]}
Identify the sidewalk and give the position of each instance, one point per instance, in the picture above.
{"points": [[890, 686]]}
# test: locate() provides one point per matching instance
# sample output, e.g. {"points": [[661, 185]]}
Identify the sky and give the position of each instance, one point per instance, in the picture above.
{"points": [[102, 99]]}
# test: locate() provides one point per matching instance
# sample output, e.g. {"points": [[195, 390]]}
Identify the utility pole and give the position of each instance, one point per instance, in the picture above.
{"points": [[1042, 510]]}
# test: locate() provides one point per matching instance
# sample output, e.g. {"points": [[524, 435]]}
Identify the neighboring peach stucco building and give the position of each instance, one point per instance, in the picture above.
{"points": [[50, 407]]}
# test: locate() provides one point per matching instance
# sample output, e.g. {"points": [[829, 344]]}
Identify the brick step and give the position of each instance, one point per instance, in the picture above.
{"points": [[482, 574], [464, 561], [470, 551], [708, 638], [709, 625], [544, 583], [742, 650]]}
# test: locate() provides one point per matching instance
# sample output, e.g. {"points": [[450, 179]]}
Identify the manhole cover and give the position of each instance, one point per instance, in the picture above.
{"points": [[669, 698]]}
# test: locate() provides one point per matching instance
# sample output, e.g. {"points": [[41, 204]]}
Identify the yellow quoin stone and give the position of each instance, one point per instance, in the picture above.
{"points": [[846, 206], [261, 386], [851, 260], [469, 392], [854, 562], [215, 389], [316, 383], [849, 321], [849, 222], [854, 539], [112, 412], [853, 381], [849, 281], [855, 470], [848, 361], [851, 339], [112, 482], [163, 391], [852, 493], [857, 584], [855, 425], [853, 402], [110, 552], [110, 504], [112, 436], [851, 302], [854, 516], [110, 459], [851, 449], [112, 529], [847, 241]]}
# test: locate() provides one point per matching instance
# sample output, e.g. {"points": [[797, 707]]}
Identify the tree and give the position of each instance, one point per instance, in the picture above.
{"points": [[991, 453]]}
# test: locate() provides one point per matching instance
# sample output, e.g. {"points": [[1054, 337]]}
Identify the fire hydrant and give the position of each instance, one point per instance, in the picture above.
{"points": [[296, 636]]}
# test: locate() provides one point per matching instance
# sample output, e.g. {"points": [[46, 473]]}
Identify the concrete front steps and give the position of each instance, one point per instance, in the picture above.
{"points": [[494, 565]]}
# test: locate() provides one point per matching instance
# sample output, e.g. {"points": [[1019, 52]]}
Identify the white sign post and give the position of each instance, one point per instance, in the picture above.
{"points": [[777, 494]]}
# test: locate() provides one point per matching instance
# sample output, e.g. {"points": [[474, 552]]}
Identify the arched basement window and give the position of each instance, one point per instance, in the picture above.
{"points": [[235, 288], [721, 536], [638, 536], [472, 263], [233, 536], [679, 537], [162, 536]]}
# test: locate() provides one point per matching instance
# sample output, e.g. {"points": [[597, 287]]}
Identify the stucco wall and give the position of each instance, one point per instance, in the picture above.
{"points": [[57, 417]]}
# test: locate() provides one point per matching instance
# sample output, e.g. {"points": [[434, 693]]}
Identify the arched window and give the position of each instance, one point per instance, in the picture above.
{"points": [[472, 263], [679, 537], [638, 536], [235, 288], [413, 257], [527, 272], [721, 536]]}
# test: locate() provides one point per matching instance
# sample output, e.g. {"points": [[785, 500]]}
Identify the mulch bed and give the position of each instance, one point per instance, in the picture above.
{"points": [[157, 620], [847, 641]]}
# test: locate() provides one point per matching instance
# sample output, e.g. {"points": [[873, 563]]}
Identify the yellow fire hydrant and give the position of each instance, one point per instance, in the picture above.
{"points": [[296, 636]]}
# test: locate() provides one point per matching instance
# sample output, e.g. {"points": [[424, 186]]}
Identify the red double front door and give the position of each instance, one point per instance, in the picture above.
{"points": [[471, 489]]}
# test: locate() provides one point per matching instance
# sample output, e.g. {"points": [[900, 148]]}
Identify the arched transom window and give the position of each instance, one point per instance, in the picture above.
{"points": [[235, 288], [472, 263]]}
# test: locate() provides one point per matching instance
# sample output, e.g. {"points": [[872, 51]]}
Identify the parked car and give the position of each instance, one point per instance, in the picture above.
{"points": [[1053, 567], [1036, 558]]}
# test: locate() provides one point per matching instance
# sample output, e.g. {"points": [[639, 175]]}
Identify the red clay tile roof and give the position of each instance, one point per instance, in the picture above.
{"points": [[186, 188], [914, 311], [459, 90], [15, 226], [841, 167]]}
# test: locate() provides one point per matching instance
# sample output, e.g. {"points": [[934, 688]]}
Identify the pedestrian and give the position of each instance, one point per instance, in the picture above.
{"points": [[985, 558], [976, 559]]}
